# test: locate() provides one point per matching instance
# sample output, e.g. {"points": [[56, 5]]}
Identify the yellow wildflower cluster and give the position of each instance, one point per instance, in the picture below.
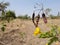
{"points": [[37, 31]]}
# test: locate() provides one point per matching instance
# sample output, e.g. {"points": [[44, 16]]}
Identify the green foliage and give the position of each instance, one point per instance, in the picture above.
{"points": [[53, 39], [46, 35], [24, 17], [3, 6], [6, 15], [10, 14], [22, 34], [3, 27], [52, 34], [8, 19], [54, 17]]}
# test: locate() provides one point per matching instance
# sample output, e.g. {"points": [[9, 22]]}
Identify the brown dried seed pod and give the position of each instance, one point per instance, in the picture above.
{"points": [[33, 16], [38, 17], [44, 18], [43, 15]]}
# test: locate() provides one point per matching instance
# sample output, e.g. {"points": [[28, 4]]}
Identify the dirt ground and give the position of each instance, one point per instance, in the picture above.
{"points": [[20, 32]]}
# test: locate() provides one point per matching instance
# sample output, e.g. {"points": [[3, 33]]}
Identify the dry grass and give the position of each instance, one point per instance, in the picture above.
{"points": [[20, 32]]}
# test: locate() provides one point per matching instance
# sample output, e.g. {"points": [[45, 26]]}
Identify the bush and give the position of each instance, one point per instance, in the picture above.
{"points": [[24, 17], [3, 27], [10, 14], [54, 17]]}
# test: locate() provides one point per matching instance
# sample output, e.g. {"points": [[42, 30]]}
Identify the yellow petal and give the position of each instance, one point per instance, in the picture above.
{"points": [[37, 31]]}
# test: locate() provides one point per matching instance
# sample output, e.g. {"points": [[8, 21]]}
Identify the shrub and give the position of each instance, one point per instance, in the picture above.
{"points": [[24, 17], [3, 27], [10, 14], [54, 17]]}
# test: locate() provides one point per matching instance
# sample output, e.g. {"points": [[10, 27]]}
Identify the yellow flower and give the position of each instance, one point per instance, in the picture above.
{"points": [[46, 43], [37, 31]]}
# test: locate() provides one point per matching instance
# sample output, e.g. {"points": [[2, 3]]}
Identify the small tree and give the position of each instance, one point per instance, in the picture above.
{"points": [[9, 15], [3, 6]]}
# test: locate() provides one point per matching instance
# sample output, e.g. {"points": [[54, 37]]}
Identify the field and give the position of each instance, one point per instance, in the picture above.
{"points": [[20, 32]]}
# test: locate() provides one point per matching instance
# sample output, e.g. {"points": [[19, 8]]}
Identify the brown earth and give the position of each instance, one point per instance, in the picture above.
{"points": [[20, 32]]}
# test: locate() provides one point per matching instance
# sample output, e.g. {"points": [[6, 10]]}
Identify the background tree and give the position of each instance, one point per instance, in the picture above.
{"points": [[3, 6], [10, 14], [24, 16]]}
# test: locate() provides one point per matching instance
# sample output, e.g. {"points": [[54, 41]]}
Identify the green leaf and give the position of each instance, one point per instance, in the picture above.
{"points": [[3, 28], [53, 39]]}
